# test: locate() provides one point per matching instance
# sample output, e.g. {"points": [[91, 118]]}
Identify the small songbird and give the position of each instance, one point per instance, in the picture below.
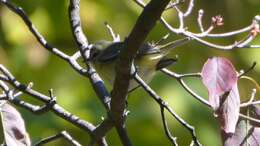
{"points": [[150, 58]]}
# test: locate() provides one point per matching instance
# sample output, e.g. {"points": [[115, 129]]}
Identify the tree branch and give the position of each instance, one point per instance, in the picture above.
{"points": [[143, 26], [81, 39], [172, 139], [179, 78], [55, 108], [163, 104], [96, 81], [198, 36], [63, 134], [19, 11]]}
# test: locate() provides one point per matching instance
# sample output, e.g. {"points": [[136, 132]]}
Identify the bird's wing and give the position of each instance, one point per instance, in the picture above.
{"points": [[165, 62], [111, 53]]}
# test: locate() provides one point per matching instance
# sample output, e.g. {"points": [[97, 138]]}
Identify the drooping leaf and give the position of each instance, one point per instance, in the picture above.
{"points": [[228, 113], [220, 78], [14, 128], [245, 135]]}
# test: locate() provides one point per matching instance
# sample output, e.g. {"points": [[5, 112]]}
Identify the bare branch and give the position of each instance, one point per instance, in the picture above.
{"points": [[181, 18], [189, 10], [185, 86], [116, 106], [3, 86], [172, 139], [62, 134], [116, 38], [199, 19], [202, 100], [53, 106], [84, 49], [251, 100], [172, 4], [19, 11], [240, 44], [249, 118], [196, 36], [248, 70], [81, 39], [102, 129], [33, 108], [79, 36], [159, 100], [143, 26]]}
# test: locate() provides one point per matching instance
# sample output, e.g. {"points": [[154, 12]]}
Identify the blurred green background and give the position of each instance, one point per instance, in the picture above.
{"points": [[29, 62]]}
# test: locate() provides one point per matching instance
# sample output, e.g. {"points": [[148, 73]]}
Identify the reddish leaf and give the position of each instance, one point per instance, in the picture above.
{"points": [[13, 126], [219, 76], [228, 113], [245, 135]]}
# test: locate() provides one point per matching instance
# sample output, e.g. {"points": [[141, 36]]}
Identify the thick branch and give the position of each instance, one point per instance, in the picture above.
{"points": [[143, 26]]}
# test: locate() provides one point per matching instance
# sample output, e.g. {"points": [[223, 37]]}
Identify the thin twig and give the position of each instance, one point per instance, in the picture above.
{"points": [[172, 4], [172, 139], [248, 70], [199, 20], [201, 99], [185, 86], [249, 118], [62, 134], [19, 11], [55, 108], [116, 38], [196, 36], [159, 100], [189, 10], [251, 100]]}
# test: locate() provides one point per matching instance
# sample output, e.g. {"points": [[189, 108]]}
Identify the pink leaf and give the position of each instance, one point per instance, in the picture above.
{"points": [[13, 126], [219, 76]]}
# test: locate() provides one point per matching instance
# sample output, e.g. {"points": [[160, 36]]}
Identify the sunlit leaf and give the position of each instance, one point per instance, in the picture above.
{"points": [[14, 128], [220, 78]]}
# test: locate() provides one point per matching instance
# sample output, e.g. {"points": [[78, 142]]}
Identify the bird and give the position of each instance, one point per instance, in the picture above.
{"points": [[150, 58]]}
